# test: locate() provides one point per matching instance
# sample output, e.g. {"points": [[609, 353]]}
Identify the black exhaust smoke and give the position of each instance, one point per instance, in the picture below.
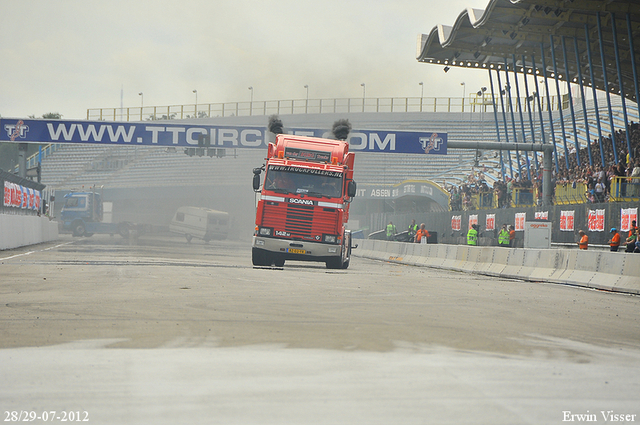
{"points": [[275, 125], [341, 129]]}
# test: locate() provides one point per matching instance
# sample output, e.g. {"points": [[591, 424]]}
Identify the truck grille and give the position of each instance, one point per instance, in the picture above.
{"points": [[300, 220]]}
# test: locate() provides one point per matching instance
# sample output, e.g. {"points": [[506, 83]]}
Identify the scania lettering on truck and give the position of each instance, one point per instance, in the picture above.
{"points": [[304, 200]]}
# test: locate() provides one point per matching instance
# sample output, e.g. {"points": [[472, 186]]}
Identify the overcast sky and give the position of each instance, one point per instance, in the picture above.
{"points": [[70, 55]]}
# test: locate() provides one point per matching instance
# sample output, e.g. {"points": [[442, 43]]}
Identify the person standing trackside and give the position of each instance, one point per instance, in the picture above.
{"points": [[391, 231], [503, 236], [512, 237], [422, 234], [614, 242], [472, 235], [584, 240], [631, 240], [413, 229]]}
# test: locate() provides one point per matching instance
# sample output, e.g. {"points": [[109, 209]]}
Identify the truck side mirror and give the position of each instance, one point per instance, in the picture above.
{"points": [[256, 179], [351, 189]]}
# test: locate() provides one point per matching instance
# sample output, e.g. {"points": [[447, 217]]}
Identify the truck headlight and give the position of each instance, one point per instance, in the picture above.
{"points": [[264, 231], [330, 238]]}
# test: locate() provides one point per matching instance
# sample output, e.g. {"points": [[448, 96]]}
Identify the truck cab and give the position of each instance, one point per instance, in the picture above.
{"points": [[83, 215], [79, 209], [304, 202]]}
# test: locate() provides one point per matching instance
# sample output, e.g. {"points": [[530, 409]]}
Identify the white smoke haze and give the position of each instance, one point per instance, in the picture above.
{"points": [[69, 56]]}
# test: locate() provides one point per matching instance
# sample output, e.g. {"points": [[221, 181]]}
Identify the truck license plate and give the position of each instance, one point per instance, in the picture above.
{"points": [[296, 251]]}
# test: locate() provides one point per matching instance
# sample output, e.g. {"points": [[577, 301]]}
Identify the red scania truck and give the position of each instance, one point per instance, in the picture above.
{"points": [[304, 202]]}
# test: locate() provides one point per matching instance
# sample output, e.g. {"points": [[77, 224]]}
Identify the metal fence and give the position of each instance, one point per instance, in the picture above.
{"points": [[473, 103]]}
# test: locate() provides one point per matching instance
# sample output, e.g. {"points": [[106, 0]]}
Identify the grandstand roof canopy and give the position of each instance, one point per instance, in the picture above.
{"points": [[486, 39]]}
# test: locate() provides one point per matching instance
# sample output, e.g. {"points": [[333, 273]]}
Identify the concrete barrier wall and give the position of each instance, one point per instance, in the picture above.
{"points": [[612, 271], [22, 230]]}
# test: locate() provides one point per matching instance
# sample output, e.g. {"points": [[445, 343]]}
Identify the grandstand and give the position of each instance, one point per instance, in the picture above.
{"points": [[72, 166]]}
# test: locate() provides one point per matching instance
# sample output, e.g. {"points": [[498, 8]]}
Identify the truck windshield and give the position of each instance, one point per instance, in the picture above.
{"points": [[304, 181], [75, 202]]}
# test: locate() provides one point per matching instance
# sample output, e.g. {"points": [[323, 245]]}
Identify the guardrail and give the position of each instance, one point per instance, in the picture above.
{"points": [[610, 271], [624, 189], [520, 197], [472, 104]]}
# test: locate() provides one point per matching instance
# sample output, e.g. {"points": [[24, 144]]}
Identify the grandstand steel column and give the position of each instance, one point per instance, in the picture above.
{"points": [[549, 108], [594, 94], [540, 113], [606, 88], [504, 119], [584, 102], [529, 101], [495, 116], [573, 115], [633, 61], [507, 89], [519, 107], [619, 69], [560, 103]]}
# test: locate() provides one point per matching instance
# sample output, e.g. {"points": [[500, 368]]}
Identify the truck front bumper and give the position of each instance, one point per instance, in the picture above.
{"points": [[297, 250]]}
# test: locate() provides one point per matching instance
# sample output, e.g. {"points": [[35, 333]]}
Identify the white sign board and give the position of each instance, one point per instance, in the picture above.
{"points": [[537, 234]]}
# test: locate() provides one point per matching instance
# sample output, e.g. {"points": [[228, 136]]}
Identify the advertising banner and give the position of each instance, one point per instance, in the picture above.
{"points": [[490, 222], [566, 221], [473, 219], [596, 221], [520, 219], [541, 215], [18, 196], [456, 223], [154, 133], [627, 215]]}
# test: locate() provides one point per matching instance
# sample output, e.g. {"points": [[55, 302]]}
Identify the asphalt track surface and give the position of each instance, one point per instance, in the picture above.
{"points": [[167, 332]]}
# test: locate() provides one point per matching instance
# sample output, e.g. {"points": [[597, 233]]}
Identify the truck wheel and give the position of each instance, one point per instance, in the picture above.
{"points": [[345, 265], [279, 262], [87, 235], [260, 258], [334, 263], [78, 228]]}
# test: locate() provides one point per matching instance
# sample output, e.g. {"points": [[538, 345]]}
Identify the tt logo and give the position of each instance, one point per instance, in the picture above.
{"points": [[431, 143], [17, 130]]}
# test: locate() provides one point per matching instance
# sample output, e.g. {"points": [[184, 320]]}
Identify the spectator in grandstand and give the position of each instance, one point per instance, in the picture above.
{"points": [[509, 190], [454, 200], [500, 189], [583, 243], [537, 187], [600, 190], [466, 201], [620, 171], [614, 242], [634, 179]]}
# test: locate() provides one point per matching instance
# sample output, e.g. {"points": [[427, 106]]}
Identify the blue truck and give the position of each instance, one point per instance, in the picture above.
{"points": [[82, 215]]}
